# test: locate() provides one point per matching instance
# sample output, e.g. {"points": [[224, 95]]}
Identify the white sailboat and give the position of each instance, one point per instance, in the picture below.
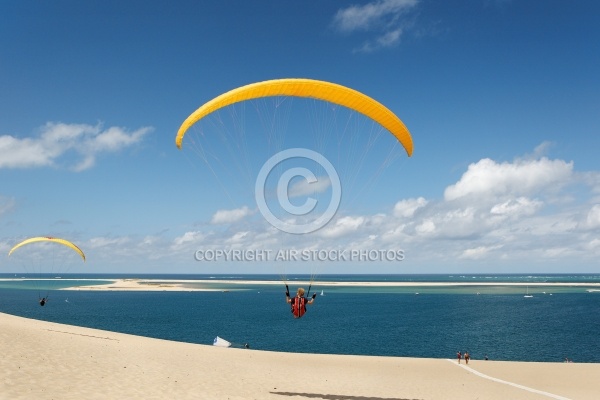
{"points": [[220, 342], [322, 293], [527, 293]]}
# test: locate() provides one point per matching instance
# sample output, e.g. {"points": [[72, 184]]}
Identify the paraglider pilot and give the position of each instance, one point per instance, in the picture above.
{"points": [[42, 301], [299, 302]]}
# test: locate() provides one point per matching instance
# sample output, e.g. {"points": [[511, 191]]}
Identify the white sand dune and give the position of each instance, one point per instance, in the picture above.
{"points": [[44, 360]]}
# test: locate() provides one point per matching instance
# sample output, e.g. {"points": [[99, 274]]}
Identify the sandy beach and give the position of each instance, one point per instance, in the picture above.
{"points": [[46, 360]]}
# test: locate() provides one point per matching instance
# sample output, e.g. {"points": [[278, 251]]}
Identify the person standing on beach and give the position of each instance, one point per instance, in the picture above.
{"points": [[299, 302], [458, 356], [467, 357]]}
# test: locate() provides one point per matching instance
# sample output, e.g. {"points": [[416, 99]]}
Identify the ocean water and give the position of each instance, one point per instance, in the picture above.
{"points": [[557, 322]]}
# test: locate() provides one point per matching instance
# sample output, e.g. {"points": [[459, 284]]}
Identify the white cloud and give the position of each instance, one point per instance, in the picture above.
{"points": [[593, 245], [239, 238], [58, 140], [426, 227], [517, 207], [342, 226], [100, 242], [514, 227], [367, 16], [593, 217], [395, 234], [193, 237], [489, 179], [554, 252], [389, 38], [446, 222], [113, 139], [542, 149], [478, 253], [382, 16], [407, 208], [150, 240], [305, 188], [230, 216]]}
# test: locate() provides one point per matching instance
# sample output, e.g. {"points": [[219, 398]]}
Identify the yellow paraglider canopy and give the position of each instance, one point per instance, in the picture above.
{"points": [[321, 90], [48, 239]]}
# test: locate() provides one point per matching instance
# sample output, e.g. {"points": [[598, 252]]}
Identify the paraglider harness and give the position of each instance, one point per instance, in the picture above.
{"points": [[298, 305]]}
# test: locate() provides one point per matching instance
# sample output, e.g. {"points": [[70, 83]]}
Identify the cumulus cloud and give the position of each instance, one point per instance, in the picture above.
{"points": [[239, 237], [593, 245], [342, 226], [497, 213], [304, 187], [426, 227], [512, 222], [593, 217], [489, 179], [384, 17], [478, 252], [517, 207], [189, 238], [407, 208], [57, 141], [230, 216], [447, 222]]}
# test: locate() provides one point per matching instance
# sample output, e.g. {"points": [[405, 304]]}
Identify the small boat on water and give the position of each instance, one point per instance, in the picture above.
{"points": [[220, 342]]}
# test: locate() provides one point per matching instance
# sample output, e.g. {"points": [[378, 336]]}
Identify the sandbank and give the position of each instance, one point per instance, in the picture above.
{"points": [[143, 285], [197, 284], [54, 361]]}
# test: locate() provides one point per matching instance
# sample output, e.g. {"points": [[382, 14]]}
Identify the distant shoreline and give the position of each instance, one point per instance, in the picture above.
{"points": [[180, 284], [172, 283]]}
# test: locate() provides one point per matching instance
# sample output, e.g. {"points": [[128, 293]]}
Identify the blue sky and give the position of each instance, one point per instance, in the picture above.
{"points": [[502, 99]]}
